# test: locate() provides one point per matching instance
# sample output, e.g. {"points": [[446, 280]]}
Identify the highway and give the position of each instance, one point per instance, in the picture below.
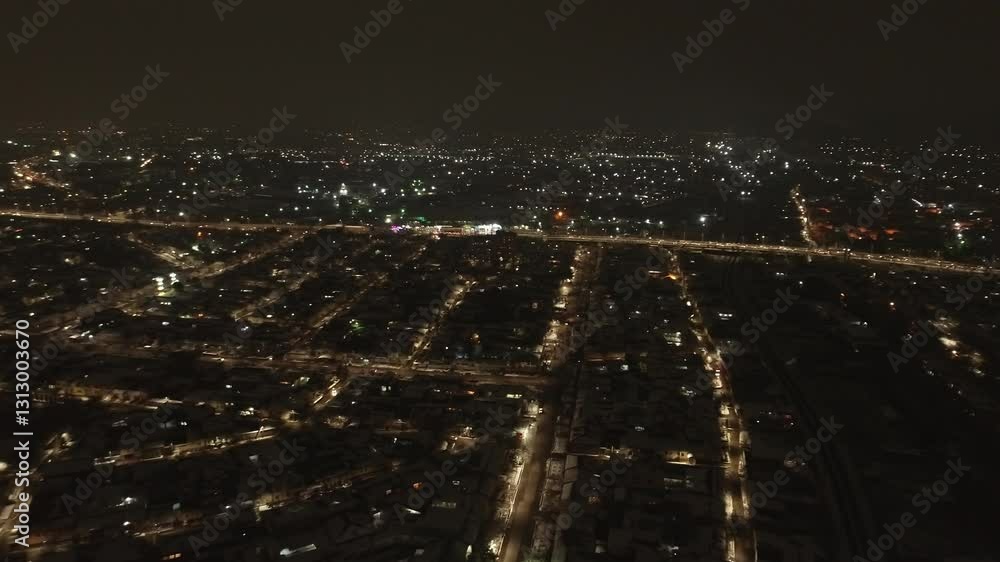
{"points": [[225, 225], [887, 259], [836, 253]]}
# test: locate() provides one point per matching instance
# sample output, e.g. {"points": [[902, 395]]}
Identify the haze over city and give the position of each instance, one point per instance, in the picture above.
{"points": [[437, 281]]}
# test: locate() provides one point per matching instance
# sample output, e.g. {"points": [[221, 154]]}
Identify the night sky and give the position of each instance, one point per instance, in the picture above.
{"points": [[608, 58]]}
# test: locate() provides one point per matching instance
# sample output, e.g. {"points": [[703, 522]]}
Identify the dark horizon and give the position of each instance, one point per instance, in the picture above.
{"points": [[601, 61]]}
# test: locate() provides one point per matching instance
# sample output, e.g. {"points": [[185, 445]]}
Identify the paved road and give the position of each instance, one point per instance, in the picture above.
{"points": [[522, 521], [226, 225], [888, 259], [845, 496]]}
